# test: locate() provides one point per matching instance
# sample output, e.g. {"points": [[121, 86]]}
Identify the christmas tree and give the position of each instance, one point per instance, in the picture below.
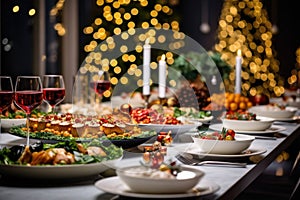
{"points": [[244, 26], [294, 79]]}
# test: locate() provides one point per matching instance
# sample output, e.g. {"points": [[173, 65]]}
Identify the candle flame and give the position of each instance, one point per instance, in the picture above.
{"points": [[239, 52], [147, 41], [163, 57]]}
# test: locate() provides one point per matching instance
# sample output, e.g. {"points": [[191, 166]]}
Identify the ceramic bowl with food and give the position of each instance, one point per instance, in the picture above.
{"points": [[259, 124], [273, 111], [143, 179], [214, 146]]}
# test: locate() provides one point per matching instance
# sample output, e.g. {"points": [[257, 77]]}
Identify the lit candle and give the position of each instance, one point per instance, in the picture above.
{"points": [[146, 67], [238, 70], [162, 77]]}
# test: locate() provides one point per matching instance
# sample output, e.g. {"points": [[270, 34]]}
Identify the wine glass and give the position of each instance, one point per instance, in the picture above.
{"points": [[100, 82], [6, 94], [53, 90], [28, 95]]}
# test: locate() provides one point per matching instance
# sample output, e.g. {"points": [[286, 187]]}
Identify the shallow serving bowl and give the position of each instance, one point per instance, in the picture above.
{"points": [[260, 124], [8, 123], [135, 179], [241, 143], [273, 111]]}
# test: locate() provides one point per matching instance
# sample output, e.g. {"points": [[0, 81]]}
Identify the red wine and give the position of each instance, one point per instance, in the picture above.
{"points": [[100, 86], [6, 98], [53, 95], [28, 100]]}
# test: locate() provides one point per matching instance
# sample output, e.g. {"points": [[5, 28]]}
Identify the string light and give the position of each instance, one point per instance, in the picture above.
{"points": [[121, 18]]}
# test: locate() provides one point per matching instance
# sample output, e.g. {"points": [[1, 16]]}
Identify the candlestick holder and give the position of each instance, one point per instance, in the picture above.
{"points": [[146, 99], [162, 101]]}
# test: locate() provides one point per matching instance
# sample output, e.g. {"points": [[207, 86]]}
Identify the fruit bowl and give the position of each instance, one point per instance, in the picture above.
{"points": [[144, 179]]}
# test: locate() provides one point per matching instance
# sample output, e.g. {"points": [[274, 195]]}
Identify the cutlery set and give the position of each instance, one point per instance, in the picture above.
{"points": [[186, 159]]}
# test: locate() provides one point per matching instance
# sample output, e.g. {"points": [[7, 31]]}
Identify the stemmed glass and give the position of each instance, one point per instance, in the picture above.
{"points": [[100, 82], [6, 94], [53, 90], [28, 95]]}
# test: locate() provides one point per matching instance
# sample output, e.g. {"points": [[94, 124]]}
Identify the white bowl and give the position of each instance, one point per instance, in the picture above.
{"points": [[135, 179], [273, 111], [8, 123], [227, 147], [261, 124]]}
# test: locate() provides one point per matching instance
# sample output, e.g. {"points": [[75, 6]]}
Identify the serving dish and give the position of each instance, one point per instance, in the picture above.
{"points": [[143, 179], [274, 111], [114, 185], [175, 129], [58, 161], [8, 123], [272, 129], [241, 143], [197, 153], [52, 138], [260, 124], [53, 172]]}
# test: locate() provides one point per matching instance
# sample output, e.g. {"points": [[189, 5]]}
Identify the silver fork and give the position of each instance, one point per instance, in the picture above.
{"points": [[190, 161]]}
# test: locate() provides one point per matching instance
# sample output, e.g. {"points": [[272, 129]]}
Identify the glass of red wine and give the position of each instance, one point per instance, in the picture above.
{"points": [[53, 90], [28, 95], [6, 94], [100, 83]]}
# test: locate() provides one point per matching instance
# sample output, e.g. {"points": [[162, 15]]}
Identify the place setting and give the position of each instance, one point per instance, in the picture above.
{"points": [[247, 122], [231, 148], [157, 175]]}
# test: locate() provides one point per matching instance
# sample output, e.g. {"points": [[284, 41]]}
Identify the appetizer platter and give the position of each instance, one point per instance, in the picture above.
{"points": [[64, 127], [165, 119], [67, 159]]}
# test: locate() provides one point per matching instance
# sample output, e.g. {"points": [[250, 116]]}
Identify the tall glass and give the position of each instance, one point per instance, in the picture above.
{"points": [[100, 82], [53, 90], [6, 94], [28, 95]]}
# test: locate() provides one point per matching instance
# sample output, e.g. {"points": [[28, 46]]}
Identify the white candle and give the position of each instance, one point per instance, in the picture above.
{"points": [[146, 67], [238, 70], [162, 77]]}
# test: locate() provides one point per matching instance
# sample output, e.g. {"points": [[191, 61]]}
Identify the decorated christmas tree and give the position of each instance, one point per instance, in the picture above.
{"points": [[244, 25], [294, 79]]}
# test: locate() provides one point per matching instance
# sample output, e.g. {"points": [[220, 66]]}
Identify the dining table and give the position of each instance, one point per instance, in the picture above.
{"points": [[229, 182]]}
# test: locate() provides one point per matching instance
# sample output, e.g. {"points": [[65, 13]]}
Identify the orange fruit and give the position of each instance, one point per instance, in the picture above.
{"points": [[243, 105], [233, 106], [249, 104]]}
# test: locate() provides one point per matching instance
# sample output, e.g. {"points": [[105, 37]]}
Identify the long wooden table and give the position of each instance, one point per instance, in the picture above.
{"points": [[232, 181]]}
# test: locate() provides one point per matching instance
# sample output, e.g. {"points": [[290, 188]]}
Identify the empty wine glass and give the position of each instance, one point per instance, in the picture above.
{"points": [[6, 94], [53, 90], [28, 95]]}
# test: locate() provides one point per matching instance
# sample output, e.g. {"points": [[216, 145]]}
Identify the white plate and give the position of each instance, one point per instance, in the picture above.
{"points": [[205, 119], [114, 185], [8, 123], [194, 150], [273, 112], [54, 171], [272, 129], [168, 127], [287, 119]]}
